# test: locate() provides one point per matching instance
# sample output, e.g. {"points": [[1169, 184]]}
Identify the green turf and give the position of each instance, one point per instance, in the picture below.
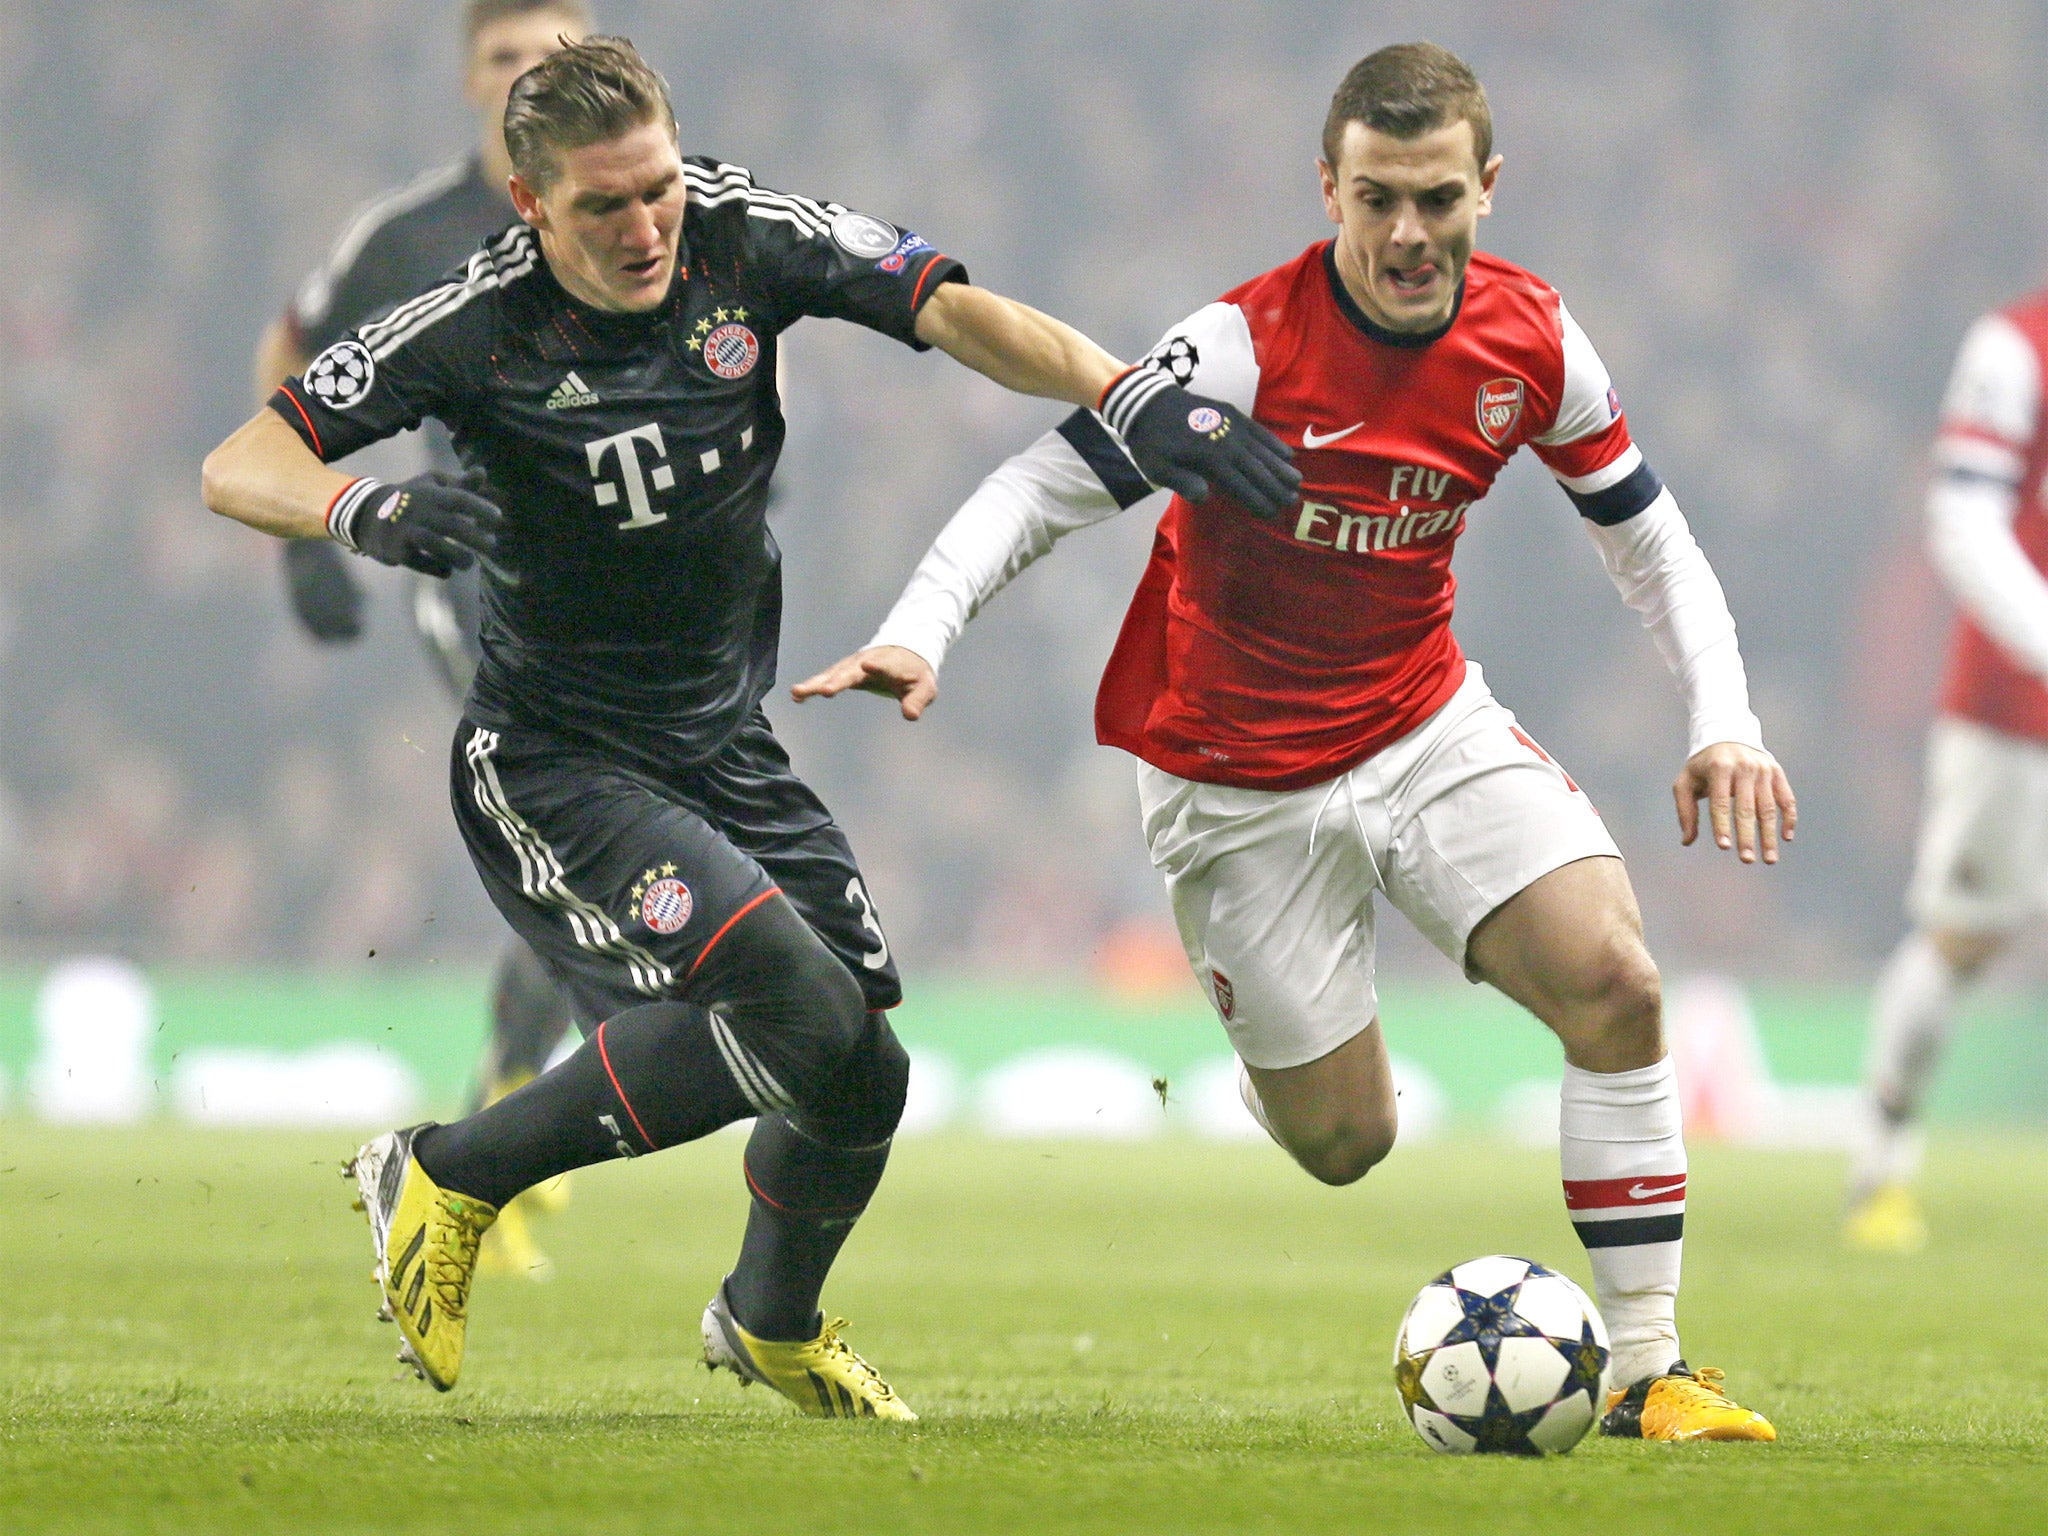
{"points": [[1169, 1337]]}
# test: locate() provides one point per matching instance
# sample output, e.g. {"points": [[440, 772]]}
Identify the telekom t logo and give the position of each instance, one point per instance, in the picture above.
{"points": [[627, 446]]}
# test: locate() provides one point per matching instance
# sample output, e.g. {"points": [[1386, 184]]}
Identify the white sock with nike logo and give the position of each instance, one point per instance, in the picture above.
{"points": [[1622, 1152]]}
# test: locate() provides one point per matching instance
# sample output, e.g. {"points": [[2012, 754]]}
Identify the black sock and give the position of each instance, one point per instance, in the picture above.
{"points": [[649, 1078], [807, 1197]]}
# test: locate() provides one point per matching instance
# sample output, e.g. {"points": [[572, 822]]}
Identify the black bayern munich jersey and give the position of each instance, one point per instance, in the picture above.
{"points": [[636, 597]]}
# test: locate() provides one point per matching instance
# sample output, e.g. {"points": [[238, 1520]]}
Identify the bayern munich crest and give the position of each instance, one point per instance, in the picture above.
{"points": [[731, 351], [665, 903], [1204, 418], [1499, 407]]}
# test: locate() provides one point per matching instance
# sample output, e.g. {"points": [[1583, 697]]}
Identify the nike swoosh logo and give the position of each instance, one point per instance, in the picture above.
{"points": [[1310, 438], [1652, 1191]]}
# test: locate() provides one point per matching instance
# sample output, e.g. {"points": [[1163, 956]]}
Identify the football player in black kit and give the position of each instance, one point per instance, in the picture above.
{"points": [[397, 245], [606, 369]]}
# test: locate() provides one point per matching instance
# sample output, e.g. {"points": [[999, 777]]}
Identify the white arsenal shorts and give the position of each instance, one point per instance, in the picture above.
{"points": [[1983, 860], [1273, 891]]}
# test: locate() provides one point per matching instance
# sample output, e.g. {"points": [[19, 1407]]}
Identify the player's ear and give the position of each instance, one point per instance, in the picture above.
{"points": [[1489, 173], [526, 202], [1328, 178]]}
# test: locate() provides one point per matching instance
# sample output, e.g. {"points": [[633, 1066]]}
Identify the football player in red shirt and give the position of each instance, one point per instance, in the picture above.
{"points": [[1310, 734], [1982, 868]]}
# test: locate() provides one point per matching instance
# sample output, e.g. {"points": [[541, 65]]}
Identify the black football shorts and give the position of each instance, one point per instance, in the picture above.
{"points": [[623, 880]]}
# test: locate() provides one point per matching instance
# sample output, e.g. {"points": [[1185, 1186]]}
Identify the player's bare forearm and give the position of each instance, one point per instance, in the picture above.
{"points": [[1749, 800], [1015, 345], [278, 358], [890, 670], [263, 475]]}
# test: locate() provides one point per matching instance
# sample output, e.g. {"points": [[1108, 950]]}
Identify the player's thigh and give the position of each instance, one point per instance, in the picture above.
{"points": [[751, 792], [1272, 895], [1480, 814], [1982, 864], [621, 889]]}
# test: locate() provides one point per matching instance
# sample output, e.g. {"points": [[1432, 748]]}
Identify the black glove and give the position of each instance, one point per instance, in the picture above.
{"points": [[1191, 444], [325, 594], [425, 523]]}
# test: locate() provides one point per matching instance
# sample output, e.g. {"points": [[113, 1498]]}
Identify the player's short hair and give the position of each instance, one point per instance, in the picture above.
{"points": [[479, 14], [1406, 91], [585, 94]]}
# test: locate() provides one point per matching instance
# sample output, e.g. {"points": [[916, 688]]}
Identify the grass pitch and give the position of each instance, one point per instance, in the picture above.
{"points": [[1166, 1337]]}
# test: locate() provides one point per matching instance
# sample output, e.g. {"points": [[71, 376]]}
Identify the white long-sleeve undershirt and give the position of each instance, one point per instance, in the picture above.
{"points": [[1661, 572]]}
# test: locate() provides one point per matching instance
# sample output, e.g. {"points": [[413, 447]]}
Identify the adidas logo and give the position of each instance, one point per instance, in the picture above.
{"points": [[570, 393]]}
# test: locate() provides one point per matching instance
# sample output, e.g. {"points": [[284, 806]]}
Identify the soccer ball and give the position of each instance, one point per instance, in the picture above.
{"points": [[1501, 1355]]}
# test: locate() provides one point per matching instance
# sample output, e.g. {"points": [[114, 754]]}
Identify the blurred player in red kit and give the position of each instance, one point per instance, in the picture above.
{"points": [[1309, 732], [1982, 868]]}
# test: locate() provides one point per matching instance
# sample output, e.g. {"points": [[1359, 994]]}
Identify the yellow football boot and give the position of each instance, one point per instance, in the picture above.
{"points": [[509, 1249], [426, 1241], [1682, 1404], [822, 1376], [1887, 1220]]}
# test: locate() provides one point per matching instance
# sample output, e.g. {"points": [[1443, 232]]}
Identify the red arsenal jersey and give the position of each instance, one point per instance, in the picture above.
{"points": [[1273, 655], [1992, 430]]}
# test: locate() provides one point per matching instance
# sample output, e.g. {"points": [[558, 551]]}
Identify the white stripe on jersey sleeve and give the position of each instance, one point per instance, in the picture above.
{"points": [[1994, 393], [1661, 572], [1582, 409]]}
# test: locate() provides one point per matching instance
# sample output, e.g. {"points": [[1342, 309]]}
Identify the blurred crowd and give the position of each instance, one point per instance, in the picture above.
{"points": [[1774, 221]]}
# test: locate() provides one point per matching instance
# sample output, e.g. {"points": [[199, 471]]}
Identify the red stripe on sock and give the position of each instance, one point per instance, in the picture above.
{"points": [[1648, 1190], [790, 1210], [605, 1056]]}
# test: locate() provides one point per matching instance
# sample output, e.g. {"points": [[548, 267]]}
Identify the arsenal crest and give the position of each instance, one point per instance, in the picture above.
{"points": [[1226, 995], [1499, 407]]}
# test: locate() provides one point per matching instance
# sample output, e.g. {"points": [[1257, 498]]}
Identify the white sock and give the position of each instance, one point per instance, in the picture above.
{"points": [[1622, 1152], [1909, 1024]]}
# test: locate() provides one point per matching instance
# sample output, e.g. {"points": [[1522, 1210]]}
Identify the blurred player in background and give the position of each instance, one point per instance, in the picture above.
{"points": [[608, 366], [1982, 867], [1309, 732], [395, 246]]}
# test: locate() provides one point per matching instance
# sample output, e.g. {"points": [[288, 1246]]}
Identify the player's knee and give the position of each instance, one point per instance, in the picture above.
{"points": [[862, 1103], [1345, 1150], [1623, 1003]]}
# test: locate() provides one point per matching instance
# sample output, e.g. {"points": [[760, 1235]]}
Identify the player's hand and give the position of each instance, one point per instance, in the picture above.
{"points": [[325, 594], [1749, 800], [426, 523], [890, 670], [1192, 444]]}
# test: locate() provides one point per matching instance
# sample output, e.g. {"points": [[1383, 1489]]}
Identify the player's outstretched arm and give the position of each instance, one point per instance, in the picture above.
{"points": [[1661, 573], [1185, 442]]}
